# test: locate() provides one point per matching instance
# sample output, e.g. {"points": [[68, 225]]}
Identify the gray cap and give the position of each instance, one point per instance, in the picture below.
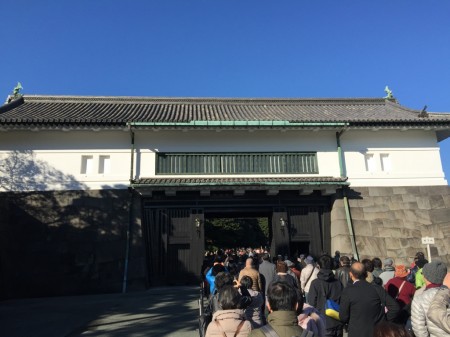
{"points": [[388, 262], [309, 259], [289, 263], [435, 272]]}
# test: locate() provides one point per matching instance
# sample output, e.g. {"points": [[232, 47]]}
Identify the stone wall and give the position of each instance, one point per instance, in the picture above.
{"points": [[66, 243], [390, 222]]}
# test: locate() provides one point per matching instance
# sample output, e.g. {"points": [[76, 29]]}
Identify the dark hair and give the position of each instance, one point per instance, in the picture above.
{"points": [[421, 262], [217, 268], [229, 298], [281, 296], [419, 256], [325, 262], [246, 282], [282, 267], [345, 260], [368, 264], [223, 279], [389, 329], [266, 257], [377, 262], [358, 270]]}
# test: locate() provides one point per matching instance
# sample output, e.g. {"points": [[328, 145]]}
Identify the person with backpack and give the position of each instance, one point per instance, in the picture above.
{"points": [[325, 287]]}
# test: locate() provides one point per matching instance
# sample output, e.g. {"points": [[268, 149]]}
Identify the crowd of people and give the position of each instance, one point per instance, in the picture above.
{"points": [[254, 294]]}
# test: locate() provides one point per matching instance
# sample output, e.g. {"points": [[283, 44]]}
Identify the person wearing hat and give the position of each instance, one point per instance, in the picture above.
{"points": [[309, 273], [294, 272], [389, 270], [434, 274], [402, 291]]}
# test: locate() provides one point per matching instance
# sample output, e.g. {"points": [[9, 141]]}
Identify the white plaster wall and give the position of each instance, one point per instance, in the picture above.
{"points": [[324, 142], [414, 157], [46, 160]]}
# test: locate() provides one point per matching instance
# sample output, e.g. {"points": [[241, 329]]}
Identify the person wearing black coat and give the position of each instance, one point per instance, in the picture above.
{"points": [[363, 305], [326, 286]]}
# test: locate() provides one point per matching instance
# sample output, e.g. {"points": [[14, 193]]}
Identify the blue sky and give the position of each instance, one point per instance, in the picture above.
{"points": [[230, 48]]}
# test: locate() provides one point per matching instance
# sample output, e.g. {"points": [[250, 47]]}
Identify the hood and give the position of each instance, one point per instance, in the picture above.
{"points": [[326, 275]]}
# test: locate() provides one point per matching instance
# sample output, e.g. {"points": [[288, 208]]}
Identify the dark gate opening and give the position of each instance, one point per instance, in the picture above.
{"points": [[237, 229], [178, 229]]}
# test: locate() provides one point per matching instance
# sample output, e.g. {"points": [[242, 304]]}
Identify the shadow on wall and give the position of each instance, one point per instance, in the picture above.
{"points": [[57, 242], [21, 171]]}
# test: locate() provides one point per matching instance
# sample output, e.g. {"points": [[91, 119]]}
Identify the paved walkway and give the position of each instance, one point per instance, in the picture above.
{"points": [[168, 311]]}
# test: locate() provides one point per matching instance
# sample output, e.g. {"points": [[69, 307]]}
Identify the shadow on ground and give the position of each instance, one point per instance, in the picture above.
{"points": [[168, 311]]}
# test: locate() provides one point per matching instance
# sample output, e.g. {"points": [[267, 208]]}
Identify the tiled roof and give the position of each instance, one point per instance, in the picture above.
{"points": [[239, 181], [117, 111]]}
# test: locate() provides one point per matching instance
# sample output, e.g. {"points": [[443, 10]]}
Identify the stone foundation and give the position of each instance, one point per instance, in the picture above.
{"points": [[67, 243], [390, 222]]}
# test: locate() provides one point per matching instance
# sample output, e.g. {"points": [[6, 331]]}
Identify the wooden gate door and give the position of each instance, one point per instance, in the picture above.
{"points": [[280, 233], [309, 226], [175, 245]]}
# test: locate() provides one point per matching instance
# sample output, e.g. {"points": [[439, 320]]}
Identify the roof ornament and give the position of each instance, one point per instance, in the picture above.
{"points": [[388, 92], [16, 93], [423, 113]]}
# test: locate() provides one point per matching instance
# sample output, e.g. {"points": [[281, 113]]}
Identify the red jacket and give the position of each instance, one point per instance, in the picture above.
{"points": [[406, 293]]}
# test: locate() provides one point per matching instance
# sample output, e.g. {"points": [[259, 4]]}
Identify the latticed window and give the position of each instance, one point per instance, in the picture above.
{"points": [[237, 163]]}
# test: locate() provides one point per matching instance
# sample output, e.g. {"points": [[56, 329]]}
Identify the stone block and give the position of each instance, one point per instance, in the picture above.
{"points": [[395, 198], [413, 190], [397, 223], [446, 199], [375, 224], [408, 198], [422, 216], [437, 201], [443, 246], [337, 203], [415, 246], [357, 213], [379, 215], [338, 227], [412, 224], [399, 190], [382, 200], [361, 191], [379, 208], [398, 233], [434, 190], [338, 213], [423, 202], [435, 231], [439, 215], [380, 191], [362, 228], [371, 246], [445, 228], [363, 203], [341, 243]]}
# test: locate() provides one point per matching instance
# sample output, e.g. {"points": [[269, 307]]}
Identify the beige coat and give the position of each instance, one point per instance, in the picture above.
{"points": [[254, 275], [229, 321]]}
